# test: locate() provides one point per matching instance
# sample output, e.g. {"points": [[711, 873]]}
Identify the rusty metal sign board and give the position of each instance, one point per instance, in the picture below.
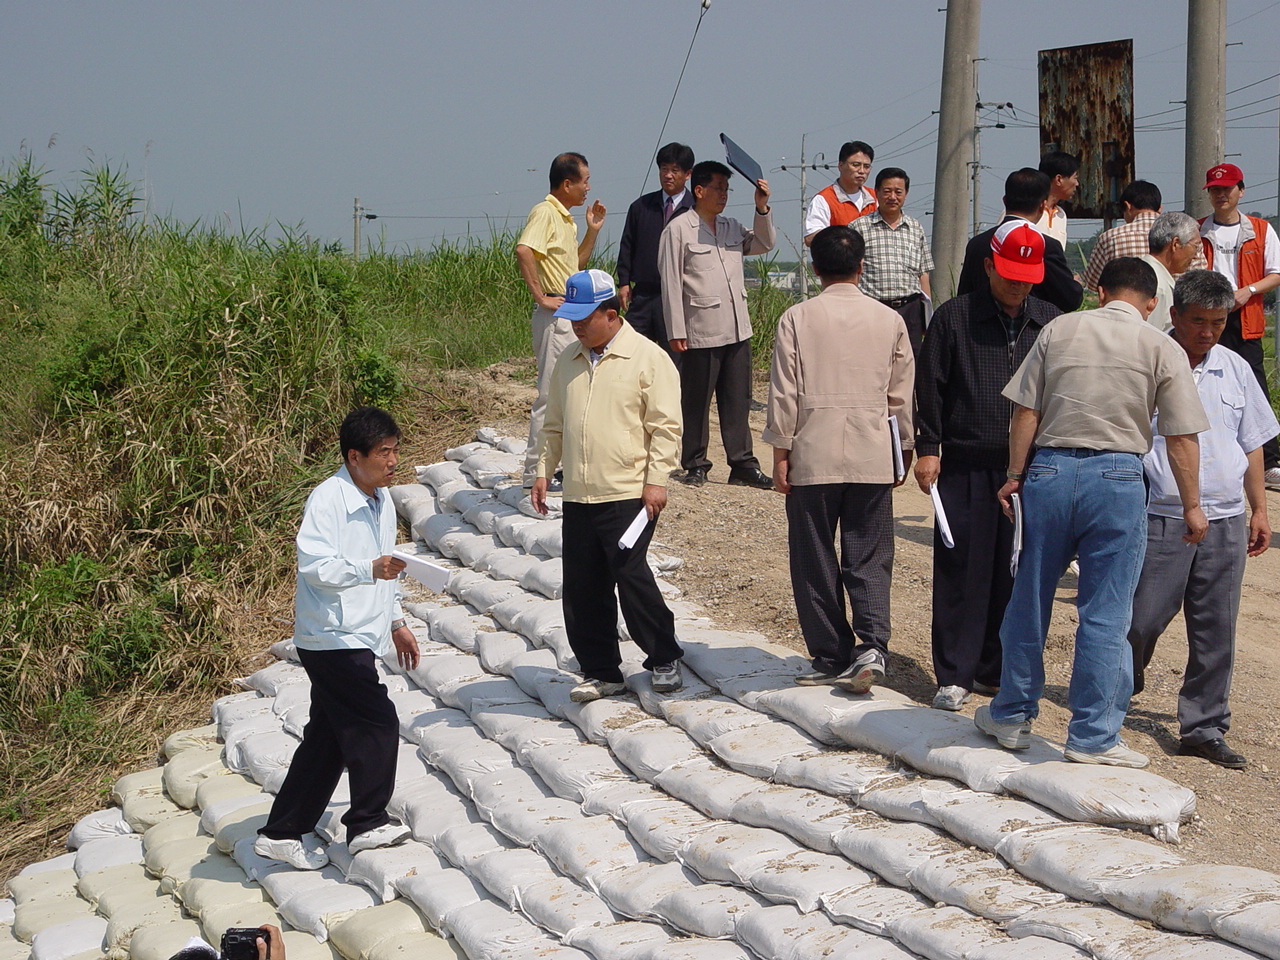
{"points": [[1086, 109]]}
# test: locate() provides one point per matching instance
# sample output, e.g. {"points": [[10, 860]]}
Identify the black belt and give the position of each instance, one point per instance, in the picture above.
{"points": [[646, 289], [896, 302]]}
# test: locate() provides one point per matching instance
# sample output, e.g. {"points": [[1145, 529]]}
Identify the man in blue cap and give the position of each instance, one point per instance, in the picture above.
{"points": [[613, 424]]}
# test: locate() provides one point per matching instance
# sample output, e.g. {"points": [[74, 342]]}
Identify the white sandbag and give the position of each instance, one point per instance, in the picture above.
{"points": [[126, 916], [184, 773], [1078, 859], [707, 786], [587, 849], [569, 767], [462, 499], [892, 850], [98, 825], [435, 672], [236, 734], [460, 577], [872, 907], [464, 764], [560, 906], [219, 919], [181, 740], [707, 910], [446, 497], [902, 800], [706, 719], [162, 940], [504, 872], [1095, 930], [599, 719], [236, 818], [648, 748], [415, 946], [63, 941], [357, 936], [540, 622], [497, 648], [200, 894], [661, 827], [233, 706], [438, 889], [416, 802], [269, 679], [731, 852], [783, 933], [484, 594], [1191, 897], [546, 578], [757, 751], [610, 797], [440, 725], [289, 696], [545, 540], [36, 915], [1031, 948], [1093, 793], [479, 445], [470, 550], [314, 909], [266, 756], [438, 474], [46, 885], [442, 525], [219, 789], [526, 821], [630, 940], [493, 790], [636, 890], [412, 703], [540, 733], [283, 884], [500, 556], [484, 516], [697, 948], [841, 773], [981, 819], [97, 855], [803, 878], [806, 816], [379, 869], [505, 613], [812, 709], [284, 650], [511, 565], [464, 844], [403, 494], [508, 527], [92, 886], [63, 861], [946, 932], [458, 626], [488, 468], [980, 884], [1255, 927], [489, 931], [533, 668]]}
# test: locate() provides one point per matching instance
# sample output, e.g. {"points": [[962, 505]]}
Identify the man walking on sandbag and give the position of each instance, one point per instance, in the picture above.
{"points": [[346, 617]]}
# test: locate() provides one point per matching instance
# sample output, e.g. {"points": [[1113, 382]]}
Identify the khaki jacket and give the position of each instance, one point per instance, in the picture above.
{"points": [[704, 294], [842, 365], [615, 428]]}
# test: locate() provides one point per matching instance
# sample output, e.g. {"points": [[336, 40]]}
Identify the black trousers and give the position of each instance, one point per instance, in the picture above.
{"points": [[645, 314], [352, 724], [864, 514], [971, 581], [594, 566], [912, 314], [1233, 339], [724, 372]]}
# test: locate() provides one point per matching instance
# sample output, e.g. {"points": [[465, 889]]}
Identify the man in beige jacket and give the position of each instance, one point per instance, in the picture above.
{"points": [[842, 366], [704, 297], [613, 421]]}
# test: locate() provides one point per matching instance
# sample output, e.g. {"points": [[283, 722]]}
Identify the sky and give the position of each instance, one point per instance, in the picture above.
{"points": [[443, 117]]}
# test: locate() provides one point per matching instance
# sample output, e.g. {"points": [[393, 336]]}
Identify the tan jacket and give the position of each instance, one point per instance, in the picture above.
{"points": [[842, 365], [615, 428], [704, 294]]}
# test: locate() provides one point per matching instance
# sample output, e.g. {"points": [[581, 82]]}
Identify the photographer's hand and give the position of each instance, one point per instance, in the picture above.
{"points": [[271, 946]]}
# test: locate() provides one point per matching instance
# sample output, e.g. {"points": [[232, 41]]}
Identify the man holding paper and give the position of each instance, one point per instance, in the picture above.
{"points": [[613, 424], [974, 346], [842, 370], [346, 617]]}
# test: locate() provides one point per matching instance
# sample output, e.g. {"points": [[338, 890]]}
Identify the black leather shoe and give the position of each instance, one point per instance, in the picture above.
{"points": [[750, 477], [695, 477], [1215, 751], [756, 406]]}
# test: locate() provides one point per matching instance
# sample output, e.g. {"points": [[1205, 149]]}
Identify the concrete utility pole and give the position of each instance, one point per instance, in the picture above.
{"points": [[1206, 98], [955, 144], [804, 273], [355, 220]]}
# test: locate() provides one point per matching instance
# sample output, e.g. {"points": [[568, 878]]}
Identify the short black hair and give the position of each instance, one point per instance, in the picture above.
{"points": [[705, 171], [857, 146], [678, 153], [1025, 190], [837, 252], [1142, 195], [1059, 163], [567, 166], [363, 428], [893, 173], [1128, 273]]}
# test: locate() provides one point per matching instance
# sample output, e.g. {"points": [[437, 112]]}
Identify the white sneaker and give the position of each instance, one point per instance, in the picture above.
{"points": [[865, 672], [1011, 736], [302, 856], [1272, 478], [666, 678], [1117, 756], [589, 690], [951, 697], [388, 835]]}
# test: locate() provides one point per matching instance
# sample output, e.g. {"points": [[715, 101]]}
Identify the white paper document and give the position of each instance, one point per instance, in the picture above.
{"points": [[632, 533], [1016, 498], [899, 466], [430, 575], [940, 517]]}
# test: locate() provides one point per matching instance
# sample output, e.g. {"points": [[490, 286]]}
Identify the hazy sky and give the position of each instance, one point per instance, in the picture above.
{"points": [[450, 112]]}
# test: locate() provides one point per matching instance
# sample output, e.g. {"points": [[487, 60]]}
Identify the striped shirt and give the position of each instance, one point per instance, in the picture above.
{"points": [[895, 256], [1126, 240]]}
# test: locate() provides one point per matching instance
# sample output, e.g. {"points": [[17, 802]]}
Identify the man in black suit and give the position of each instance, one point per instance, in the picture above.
{"points": [[639, 285], [1025, 194]]}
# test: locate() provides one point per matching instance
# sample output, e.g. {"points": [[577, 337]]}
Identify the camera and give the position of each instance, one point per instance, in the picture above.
{"points": [[241, 943]]}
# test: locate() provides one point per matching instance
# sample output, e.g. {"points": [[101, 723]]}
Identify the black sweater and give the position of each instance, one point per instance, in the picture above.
{"points": [[1059, 287]]}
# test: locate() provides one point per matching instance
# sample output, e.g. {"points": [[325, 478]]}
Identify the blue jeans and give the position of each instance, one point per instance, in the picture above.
{"points": [[1091, 504]]}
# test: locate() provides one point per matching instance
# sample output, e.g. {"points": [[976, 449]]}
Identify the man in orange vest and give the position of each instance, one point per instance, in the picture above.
{"points": [[848, 198], [1246, 251]]}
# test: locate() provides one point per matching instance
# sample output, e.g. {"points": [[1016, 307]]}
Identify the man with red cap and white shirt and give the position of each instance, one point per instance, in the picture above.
{"points": [[1246, 251], [974, 346]]}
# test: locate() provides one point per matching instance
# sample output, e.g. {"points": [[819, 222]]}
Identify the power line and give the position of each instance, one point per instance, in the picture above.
{"points": [[706, 5]]}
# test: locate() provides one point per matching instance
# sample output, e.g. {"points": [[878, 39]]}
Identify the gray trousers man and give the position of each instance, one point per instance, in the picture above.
{"points": [[1203, 580], [550, 338]]}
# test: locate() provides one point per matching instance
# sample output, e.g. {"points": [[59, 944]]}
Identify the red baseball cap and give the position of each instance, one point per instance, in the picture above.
{"points": [[1223, 175], [1017, 248]]}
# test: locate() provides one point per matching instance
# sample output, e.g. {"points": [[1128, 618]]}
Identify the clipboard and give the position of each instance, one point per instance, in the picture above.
{"points": [[940, 517], [430, 575], [899, 465], [741, 161], [632, 533], [1016, 500]]}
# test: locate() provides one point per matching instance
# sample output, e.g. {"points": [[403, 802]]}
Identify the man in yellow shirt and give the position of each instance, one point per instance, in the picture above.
{"points": [[613, 421], [547, 253]]}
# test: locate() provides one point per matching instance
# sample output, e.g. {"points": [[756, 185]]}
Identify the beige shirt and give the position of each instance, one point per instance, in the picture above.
{"points": [[1160, 317], [842, 365], [704, 293], [1097, 376], [613, 425]]}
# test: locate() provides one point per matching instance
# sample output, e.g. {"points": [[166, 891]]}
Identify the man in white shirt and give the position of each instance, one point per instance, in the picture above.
{"points": [[1203, 579], [1063, 171], [1173, 242], [346, 617], [849, 197]]}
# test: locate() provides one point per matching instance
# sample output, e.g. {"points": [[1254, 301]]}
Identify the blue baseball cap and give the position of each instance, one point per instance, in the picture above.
{"points": [[584, 292]]}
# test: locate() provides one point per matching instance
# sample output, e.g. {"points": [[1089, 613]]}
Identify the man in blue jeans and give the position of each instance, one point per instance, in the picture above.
{"points": [[1085, 396]]}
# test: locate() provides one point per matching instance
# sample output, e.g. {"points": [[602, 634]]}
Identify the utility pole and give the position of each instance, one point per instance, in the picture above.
{"points": [[955, 143], [355, 220], [1206, 98], [804, 271]]}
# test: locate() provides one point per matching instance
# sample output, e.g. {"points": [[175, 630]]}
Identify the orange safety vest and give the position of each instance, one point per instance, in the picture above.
{"points": [[1250, 268], [842, 211]]}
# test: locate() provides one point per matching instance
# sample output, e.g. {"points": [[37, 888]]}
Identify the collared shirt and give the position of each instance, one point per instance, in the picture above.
{"points": [[1127, 240], [338, 604], [553, 237], [1240, 421], [594, 357], [1160, 317], [895, 256], [614, 426], [1053, 223], [1096, 376], [819, 215]]}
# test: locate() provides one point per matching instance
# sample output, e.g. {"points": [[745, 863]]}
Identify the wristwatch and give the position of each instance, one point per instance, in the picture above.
{"points": [[1012, 475], [1253, 289]]}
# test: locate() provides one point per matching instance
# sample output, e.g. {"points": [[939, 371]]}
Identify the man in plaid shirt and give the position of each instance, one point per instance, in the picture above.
{"points": [[1142, 204]]}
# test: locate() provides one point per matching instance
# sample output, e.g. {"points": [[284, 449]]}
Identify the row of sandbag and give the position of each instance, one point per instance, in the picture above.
{"points": [[1142, 878]]}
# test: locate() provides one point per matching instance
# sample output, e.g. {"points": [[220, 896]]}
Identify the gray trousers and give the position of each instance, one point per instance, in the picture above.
{"points": [[550, 338], [1203, 580]]}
